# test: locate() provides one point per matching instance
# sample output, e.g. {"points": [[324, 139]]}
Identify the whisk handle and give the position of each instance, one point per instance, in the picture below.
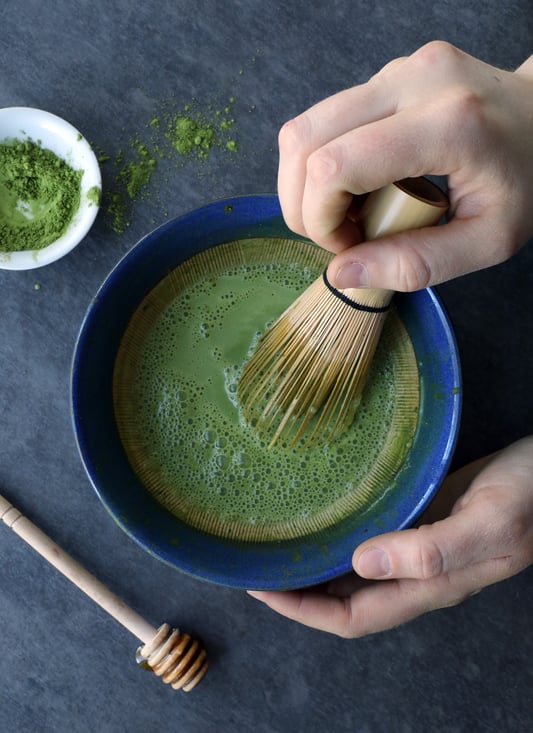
{"points": [[77, 574], [411, 203]]}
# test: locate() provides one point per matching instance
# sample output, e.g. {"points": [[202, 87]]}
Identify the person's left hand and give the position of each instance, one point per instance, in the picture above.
{"points": [[477, 531]]}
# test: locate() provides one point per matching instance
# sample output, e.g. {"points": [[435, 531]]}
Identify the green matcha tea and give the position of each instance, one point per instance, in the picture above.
{"points": [[175, 386]]}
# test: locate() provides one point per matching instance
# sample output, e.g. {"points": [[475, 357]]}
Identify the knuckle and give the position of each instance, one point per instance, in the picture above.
{"points": [[294, 135], [430, 560], [466, 112], [413, 271], [323, 165], [388, 72], [437, 55]]}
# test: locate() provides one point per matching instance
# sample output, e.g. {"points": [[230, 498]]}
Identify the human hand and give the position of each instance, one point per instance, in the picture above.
{"points": [[438, 111], [481, 532]]}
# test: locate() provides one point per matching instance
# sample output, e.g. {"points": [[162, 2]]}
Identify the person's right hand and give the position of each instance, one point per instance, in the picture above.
{"points": [[438, 111]]}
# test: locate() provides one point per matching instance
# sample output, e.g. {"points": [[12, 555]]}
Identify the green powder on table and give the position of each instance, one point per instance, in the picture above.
{"points": [[173, 137], [39, 195], [191, 136], [138, 173], [196, 131]]}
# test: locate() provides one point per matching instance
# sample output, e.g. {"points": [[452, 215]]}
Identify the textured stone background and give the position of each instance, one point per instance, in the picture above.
{"points": [[107, 66]]}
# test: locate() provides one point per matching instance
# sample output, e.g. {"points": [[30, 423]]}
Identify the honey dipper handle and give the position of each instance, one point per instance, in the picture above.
{"points": [[71, 569]]}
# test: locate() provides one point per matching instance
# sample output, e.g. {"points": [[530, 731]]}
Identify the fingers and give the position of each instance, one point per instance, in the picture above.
{"points": [[324, 130], [488, 537], [446, 501], [373, 608], [422, 570], [425, 552], [318, 610], [486, 529], [365, 159], [321, 124], [416, 259], [438, 111], [318, 179], [363, 138]]}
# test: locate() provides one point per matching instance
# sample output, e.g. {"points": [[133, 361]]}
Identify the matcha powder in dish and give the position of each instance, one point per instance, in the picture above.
{"points": [[39, 195]]}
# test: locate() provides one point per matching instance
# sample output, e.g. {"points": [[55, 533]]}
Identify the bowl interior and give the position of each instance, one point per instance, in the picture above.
{"points": [[59, 136], [299, 562]]}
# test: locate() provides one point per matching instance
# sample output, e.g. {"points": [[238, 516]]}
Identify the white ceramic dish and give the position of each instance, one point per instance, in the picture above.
{"points": [[59, 136]]}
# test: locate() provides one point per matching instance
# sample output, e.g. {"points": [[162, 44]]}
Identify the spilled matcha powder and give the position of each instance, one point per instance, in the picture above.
{"points": [[39, 195], [172, 137], [191, 136]]}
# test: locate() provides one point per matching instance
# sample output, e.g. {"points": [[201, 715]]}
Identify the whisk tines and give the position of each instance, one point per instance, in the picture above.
{"points": [[304, 381]]}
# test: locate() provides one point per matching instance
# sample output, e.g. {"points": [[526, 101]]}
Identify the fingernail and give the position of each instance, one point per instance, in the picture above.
{"points": [[374, 563], [352, 275]]}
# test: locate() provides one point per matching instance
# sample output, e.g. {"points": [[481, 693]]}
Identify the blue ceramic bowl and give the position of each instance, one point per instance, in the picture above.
{"points": [[264, 565]]}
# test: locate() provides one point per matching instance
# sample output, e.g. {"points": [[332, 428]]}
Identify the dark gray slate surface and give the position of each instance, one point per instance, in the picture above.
{"points": [[65, 665]]}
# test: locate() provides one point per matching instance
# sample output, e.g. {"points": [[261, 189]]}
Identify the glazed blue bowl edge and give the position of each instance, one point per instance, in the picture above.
{"points": [[272, 565]]}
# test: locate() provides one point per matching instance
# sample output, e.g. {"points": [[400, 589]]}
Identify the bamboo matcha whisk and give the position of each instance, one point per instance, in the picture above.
{"points": [[175, 657], [305, 378]]}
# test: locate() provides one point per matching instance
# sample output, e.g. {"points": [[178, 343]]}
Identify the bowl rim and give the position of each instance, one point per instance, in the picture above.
{"points": [[66, 141], [279, 565]]}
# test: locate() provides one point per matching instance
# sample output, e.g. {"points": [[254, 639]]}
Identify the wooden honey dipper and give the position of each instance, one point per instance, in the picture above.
{"points": [[175, 657]]}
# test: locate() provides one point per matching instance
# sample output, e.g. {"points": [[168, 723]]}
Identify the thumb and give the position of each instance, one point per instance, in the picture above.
{"points": [[419, 258], [427, 551]]}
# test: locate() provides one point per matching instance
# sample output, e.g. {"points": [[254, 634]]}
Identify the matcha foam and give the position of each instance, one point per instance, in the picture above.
{"points": [[176, 379]]}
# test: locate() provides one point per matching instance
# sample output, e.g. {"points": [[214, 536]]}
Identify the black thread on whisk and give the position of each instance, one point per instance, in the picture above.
{"points": [[352, 303]]}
